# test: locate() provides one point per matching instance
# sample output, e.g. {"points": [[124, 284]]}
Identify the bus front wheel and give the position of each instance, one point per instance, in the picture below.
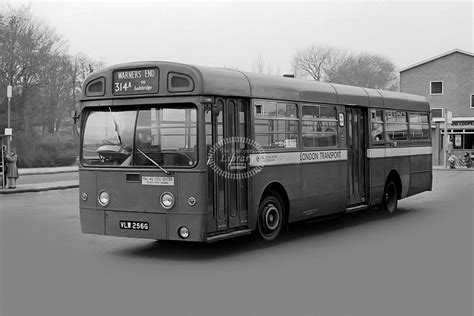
{"points": [[390, 197], [270, 217]]}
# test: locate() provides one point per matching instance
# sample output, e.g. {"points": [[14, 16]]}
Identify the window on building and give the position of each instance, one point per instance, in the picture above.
{"points": [[469, 141], [276, 124], [472, 100], [461, 141], [436, 113], [458, 141], [319, 126], [436, 87]]}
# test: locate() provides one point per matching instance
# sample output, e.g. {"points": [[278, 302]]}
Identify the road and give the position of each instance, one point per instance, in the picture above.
{"points": [[418, 262]]}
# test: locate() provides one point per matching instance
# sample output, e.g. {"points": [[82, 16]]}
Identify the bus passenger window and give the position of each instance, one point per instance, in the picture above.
{"points": [[277, 126], [376, 117], [419, 127], [396, 125], [319, 126]]}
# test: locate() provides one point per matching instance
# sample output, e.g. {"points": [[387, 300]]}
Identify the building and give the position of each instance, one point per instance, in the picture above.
{"points": [[447, 82]]}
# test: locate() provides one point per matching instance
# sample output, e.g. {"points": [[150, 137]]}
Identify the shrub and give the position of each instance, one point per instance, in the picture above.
{"points": [[45, 151]]}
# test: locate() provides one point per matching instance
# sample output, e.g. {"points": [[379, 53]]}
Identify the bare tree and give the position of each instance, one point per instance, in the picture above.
{"points": [[365, 70], [313, 62], [258, 64], [325, 63], [278, 71], [27, 47]]}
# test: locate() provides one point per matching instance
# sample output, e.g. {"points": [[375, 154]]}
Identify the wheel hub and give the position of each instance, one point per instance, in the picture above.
{"points": [[272, 217]]}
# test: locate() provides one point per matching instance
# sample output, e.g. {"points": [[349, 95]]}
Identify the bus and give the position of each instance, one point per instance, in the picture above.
{"points": [[171, 151]]}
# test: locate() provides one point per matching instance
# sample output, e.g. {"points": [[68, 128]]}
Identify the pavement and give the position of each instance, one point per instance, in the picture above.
{"points": [[61, 185], [45, 186]]}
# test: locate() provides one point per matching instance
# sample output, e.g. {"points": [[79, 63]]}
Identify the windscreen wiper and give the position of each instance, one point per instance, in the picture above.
{"points": [[116, 127], [153, 162]]}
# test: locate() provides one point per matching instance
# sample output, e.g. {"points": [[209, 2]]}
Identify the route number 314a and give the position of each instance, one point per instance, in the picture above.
{"points": [[122, 86]]}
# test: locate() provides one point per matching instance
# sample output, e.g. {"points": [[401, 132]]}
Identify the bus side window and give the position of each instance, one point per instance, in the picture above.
{"points": [[376, 117], [396, 125], [319, 125], [419, 126], [276, 124]]}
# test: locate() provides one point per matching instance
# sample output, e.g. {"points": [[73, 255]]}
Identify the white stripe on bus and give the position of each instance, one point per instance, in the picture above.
{"points": [[397, 152], [296, 157]]}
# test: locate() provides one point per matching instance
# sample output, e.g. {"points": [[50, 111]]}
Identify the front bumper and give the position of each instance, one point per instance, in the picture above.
{"points": [[162, 226]]}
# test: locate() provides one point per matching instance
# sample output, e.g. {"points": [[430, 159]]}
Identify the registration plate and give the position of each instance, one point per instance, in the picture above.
{"points": [[133, 225]]}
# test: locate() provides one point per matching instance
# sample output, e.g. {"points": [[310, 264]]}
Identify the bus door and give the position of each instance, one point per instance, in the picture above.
{"points": [[356, 160], [226, 173]]}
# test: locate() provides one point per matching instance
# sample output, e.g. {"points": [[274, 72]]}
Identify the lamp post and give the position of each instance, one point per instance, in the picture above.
{"points": [[448, 119], [9, 97]]}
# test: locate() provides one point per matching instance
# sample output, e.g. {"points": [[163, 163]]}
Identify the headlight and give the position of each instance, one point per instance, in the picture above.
{"points": [[167, 200], [104, 198], [183, 232]]}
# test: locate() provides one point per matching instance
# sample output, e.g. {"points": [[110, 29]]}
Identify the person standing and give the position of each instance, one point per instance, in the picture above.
{"points": [[450, 148], [12, 169]]}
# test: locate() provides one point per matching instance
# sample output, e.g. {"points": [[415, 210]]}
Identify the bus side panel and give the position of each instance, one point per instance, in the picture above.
{"points": [[377, 179], [402, 166], [420, 174], [289, 176], [324, 188]]}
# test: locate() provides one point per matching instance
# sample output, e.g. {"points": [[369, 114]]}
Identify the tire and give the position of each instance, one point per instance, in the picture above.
{"points": [[270, 217], [390, 197]]}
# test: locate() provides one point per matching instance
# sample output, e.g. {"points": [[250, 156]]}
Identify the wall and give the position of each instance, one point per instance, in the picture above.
{"points": [[455, 70]]}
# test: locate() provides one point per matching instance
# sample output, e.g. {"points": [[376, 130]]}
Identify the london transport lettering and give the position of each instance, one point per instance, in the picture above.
{"points": [[321, 155], [297, 157], [135, 81]]}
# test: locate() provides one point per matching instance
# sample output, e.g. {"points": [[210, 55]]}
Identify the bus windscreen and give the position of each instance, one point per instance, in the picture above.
{"points": [[166, 136]]}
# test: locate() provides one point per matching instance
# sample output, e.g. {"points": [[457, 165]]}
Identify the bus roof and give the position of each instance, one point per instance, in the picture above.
{"points": [[230, 82]]}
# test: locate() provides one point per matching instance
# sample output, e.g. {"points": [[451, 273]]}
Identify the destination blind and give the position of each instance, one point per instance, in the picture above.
{"points": [[135, 81]]}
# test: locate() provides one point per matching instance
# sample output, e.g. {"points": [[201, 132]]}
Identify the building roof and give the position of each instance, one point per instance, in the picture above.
{"points": [[437, 57]]}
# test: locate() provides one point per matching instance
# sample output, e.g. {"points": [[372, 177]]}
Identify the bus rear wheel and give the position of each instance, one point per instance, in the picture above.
{"points": [[270, 217], [390, 197]]}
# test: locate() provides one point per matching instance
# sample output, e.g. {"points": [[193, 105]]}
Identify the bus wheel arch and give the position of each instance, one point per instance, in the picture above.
{"points": [[272, 211], [392, 192]]}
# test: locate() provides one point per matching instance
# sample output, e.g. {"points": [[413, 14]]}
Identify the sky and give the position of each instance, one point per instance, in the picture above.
{"points": [[233, 34]]}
